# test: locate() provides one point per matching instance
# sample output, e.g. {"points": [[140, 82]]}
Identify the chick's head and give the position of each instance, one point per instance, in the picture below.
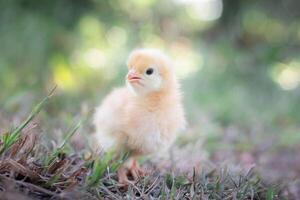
{"points": [[149, 71]]}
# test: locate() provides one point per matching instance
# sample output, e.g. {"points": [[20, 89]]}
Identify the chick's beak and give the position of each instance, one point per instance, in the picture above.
{"points": [[133, 76]]}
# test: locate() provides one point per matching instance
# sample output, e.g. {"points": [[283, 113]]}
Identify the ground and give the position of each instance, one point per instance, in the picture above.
{"points": [[31, 168]]}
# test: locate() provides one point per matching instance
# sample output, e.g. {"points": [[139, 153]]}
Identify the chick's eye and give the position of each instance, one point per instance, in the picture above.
{"points": [[149, 71]]}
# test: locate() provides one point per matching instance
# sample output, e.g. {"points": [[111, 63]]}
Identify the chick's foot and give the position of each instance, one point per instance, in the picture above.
{"points": [[129, 175]]}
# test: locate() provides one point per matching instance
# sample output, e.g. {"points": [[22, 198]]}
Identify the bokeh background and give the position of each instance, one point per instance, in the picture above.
{"points": [[238, 62]]}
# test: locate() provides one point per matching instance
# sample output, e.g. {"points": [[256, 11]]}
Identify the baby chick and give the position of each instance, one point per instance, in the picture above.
{"points": [[144, 116]]}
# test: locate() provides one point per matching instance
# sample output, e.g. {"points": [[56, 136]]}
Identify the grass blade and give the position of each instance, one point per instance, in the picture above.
{"points": [[10, 138], [66, 139]]}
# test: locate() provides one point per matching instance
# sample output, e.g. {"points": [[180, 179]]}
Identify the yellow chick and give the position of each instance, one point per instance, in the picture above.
{"points": [[144, 116]]}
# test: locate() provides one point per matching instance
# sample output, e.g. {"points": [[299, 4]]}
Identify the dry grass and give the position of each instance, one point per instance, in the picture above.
{"points": [[30, 170]]}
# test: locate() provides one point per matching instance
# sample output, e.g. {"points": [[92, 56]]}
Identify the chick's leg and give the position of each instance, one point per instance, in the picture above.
{"points": [[130, 169], [122, 175], [135, 170]]}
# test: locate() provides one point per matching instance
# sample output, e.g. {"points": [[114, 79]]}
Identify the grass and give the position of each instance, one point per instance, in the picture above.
{"points": [[10, 138], [60, 149], [26, 173]]}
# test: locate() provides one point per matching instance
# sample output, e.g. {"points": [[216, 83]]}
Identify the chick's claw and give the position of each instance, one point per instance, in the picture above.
{"points": [[123, 176], [126, 175], [134, 172]]}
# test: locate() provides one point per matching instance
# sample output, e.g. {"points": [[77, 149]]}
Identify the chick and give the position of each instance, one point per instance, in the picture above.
{"points": [[144, 116]]}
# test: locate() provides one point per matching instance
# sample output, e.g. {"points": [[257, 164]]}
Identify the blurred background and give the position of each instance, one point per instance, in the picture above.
{"points": [[238, 62]]}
